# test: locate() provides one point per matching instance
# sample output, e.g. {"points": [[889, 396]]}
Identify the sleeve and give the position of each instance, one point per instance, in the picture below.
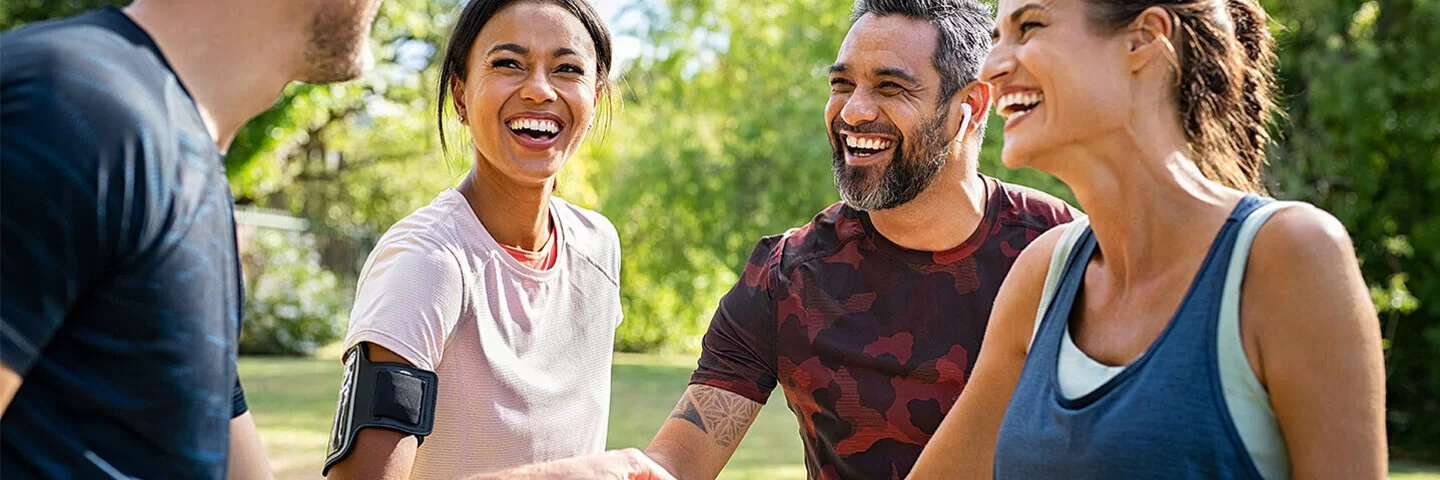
{"points": [[408, 300], [618, 268], [53, 232], [738, 353], [237, 399]]}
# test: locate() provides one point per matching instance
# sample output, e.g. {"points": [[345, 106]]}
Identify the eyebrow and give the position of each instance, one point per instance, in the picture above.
{"points": [[510, 47], [1015, 16], [896, 73], [879, 72], [562, 51]]}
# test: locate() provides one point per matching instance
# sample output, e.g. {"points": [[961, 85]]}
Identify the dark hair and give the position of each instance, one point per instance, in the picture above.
{"points": [[477, 13], [1226, 84], [964, 35]]}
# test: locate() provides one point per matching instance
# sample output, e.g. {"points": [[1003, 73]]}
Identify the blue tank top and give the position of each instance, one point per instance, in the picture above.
{"points": [[1164, 416]]}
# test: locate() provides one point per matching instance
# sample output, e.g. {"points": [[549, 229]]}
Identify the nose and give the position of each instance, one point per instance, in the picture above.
{"points": [[858, 108], [537, 88], [998, 64]]}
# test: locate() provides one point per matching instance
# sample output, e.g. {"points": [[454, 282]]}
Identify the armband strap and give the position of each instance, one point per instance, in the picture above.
{"points": [[394, 396]]}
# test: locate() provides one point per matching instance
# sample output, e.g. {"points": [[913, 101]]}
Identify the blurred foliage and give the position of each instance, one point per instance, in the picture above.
{"points": [[292, 304], [720, 141], [1363, 142], [14, 13]]}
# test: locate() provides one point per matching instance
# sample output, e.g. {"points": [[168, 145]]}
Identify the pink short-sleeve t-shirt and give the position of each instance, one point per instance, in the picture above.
{"points": [[523, 355]]}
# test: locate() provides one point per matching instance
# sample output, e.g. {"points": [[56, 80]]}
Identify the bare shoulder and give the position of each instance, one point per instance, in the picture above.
{"points": [[1305, 308], [1027, 275], [1038, 253], [1302, 237], [1303, 272], [1012, 322]]}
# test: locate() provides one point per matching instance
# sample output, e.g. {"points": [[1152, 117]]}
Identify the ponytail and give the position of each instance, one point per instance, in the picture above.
{"points": [[1226, 82], [1257, 89]]}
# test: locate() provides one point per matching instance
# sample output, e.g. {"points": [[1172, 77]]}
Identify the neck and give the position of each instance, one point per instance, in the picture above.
{"points": [[232, 69], [1147, 202], [944, 215], [514, 214]]}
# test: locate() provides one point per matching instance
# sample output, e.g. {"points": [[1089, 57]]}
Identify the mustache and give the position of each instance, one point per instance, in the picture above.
{"points": [[874, 128]]}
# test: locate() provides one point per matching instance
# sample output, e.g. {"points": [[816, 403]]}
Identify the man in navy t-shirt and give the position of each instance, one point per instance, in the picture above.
{"points": [[120, 285]]}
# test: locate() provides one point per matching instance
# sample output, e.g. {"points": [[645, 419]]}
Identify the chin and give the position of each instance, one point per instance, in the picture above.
{"points": [[537, 170], [363, 62], [1014, 156]]}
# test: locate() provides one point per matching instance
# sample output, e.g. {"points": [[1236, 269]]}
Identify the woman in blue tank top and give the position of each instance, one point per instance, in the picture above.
{"points": [[1189, 328]]}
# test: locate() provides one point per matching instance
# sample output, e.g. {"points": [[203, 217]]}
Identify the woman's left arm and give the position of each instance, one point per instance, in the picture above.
{"points": [[1313, 338]]}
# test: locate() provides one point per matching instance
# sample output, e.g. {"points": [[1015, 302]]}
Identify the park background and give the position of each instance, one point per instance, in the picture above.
{"points": [[716, 138]]}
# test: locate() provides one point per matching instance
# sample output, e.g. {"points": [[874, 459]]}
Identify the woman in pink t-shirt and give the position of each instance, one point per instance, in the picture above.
{"points": [[508, 295]]}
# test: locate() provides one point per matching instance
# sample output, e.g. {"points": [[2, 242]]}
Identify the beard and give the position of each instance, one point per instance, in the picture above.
{"points": [[911, 169], [337, 47]]}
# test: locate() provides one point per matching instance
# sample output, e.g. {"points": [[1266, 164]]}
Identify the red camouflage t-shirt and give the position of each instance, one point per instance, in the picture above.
{"points": [[872, 342]]}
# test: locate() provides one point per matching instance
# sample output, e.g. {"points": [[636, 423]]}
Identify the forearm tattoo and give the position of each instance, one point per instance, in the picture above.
{"points": [[723, 415]]}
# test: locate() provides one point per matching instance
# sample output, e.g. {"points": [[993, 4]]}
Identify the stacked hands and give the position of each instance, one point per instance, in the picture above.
{"points": [[627, 464]]}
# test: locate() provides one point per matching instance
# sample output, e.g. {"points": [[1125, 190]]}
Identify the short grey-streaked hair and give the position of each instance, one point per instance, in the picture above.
{"points": [[964, 34]]}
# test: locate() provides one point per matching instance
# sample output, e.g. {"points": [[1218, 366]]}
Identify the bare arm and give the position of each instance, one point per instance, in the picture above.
{"points": [[247, 454], [379, 453], [964, 445], [9, 384], [702, 432], [1308, 319]]}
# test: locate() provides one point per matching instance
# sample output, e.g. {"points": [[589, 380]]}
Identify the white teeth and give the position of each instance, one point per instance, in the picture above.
{"points": [[867, 143], [1022, 100], [535, 124]]}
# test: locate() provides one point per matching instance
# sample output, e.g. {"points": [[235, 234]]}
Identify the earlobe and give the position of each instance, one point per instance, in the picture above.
{"points": [[457, 91]]}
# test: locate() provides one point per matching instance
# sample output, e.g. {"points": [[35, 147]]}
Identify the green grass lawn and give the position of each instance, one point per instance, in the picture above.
{"points": [[292, 400]]}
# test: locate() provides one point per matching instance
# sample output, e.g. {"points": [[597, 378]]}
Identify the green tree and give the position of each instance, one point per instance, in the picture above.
{"points": [[14, 13], [1363, 142]]}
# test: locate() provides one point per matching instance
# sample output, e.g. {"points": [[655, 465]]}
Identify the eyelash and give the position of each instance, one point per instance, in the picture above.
{"points": [[508, 63], [1026, 27]]}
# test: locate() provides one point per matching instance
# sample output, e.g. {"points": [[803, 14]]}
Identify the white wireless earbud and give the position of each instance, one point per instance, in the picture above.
{"points": [[964, 124]]}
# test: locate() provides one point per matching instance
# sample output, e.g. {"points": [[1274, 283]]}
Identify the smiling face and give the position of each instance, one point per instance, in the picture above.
{"points": [[889, 129], [1057, 81], [530, 90]]}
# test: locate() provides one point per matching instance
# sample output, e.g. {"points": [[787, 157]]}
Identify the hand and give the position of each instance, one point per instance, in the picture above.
{"points": [[636, 466], [627, 464]]}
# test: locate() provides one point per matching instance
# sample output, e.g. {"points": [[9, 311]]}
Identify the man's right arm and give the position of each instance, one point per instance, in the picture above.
{"points": [[735, 373], [702, 432]]}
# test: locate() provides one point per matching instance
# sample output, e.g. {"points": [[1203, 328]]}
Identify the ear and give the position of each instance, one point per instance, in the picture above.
{"points": [[1151, 38], [457, 95], [969, 108]]}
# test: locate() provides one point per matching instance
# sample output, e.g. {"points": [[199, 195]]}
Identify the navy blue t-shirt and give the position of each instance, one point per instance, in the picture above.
{"points": [[120, 286]]}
